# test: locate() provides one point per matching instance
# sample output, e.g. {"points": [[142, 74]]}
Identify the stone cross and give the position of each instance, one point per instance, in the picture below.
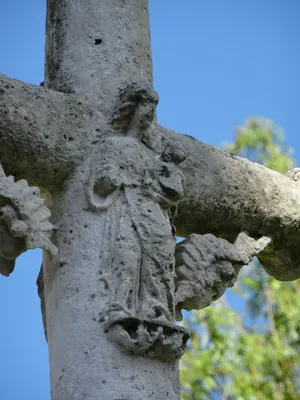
{"points": [[119, 186]]}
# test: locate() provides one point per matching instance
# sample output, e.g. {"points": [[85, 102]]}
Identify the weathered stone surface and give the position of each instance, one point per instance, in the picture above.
{"points": [[114, 181], [206, 266], [45, 134], [41, 293], [99, 57], [133, 190], [281, 258], [294, 174], [212, 202], [112, 284], [131, 194], [225, 195], [24, 222]]}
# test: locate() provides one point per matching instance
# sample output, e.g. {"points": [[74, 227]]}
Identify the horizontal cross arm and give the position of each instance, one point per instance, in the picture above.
{"points": [[41, 132], [226, 194]]}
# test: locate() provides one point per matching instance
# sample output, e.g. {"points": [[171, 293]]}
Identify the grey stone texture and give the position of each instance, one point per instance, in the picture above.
{"points": [[119, 186], [44, 134], [206, 266], [24, 222], [113, 280], [226, 194], [97, 47]]}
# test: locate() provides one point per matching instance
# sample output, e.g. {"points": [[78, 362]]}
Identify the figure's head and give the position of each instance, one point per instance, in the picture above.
{"points": [[135, 111]]}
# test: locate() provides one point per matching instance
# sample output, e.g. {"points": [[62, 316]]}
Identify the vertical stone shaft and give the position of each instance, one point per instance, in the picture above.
{"points": [[97, 47], [84, 364]]}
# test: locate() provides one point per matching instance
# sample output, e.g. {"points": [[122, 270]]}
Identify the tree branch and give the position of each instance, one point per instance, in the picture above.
{"points": [[226, 194], [43, 133]]}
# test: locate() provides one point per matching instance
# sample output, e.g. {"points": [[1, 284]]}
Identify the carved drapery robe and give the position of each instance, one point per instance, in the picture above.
{"points": [[131, 191], [126, 195]]}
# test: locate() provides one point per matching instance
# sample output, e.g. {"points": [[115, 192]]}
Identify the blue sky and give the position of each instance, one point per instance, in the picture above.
{"points": [[216, 63]]}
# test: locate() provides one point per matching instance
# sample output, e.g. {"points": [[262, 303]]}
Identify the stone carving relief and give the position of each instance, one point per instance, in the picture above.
{"points": [[206, 266], [24, 221], [146, 280], [137, 191]]}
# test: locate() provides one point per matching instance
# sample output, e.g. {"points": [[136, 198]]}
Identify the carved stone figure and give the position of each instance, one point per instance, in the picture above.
{"points": [[133, 194], [113, 179], [135, 191]]}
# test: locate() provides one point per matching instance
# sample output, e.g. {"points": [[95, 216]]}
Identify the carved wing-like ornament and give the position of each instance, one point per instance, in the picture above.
{"points": [[207, 265], [24, 221]]}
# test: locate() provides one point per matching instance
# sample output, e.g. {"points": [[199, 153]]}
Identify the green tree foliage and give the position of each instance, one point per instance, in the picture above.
{"points": [[262, 141], [250, 351]]}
